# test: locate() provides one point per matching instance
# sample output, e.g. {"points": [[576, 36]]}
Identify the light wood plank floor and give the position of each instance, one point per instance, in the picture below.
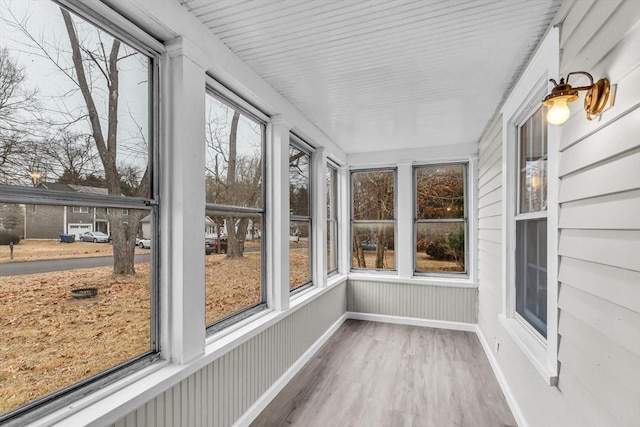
{"points": [[377, 374]]}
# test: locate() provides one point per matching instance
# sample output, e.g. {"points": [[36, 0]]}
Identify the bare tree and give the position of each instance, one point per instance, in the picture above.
{"points": [[16, 106], [373, 200], [233, 177]]}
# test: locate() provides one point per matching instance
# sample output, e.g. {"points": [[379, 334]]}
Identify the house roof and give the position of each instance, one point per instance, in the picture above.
{"points": [[58, 186]]}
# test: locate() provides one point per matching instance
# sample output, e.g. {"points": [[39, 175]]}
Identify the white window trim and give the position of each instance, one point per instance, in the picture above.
{"points": [[316, 163], [330, 166], [466, 220], [405, 227], [523, 100], [395, 169]]}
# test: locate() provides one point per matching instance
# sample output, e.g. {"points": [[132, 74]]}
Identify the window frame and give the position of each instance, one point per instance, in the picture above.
{"points": [[465, 220], [298, 143], [333, 216], [521, 103], [223, 95], [394, 221], [115, 25], [80, 209], [524, 217]]}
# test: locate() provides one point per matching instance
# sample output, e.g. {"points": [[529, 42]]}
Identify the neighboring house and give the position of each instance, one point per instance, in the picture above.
{"points": [[48, 222]]}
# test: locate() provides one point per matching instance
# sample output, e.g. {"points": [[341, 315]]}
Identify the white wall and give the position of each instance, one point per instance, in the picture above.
{"points": [[599, 238]]}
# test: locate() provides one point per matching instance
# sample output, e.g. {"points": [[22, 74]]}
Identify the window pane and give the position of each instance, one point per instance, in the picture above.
{"points": [[373, 195], [440, 192], [233, 168], [373, 246], [58, 128], [440, 247], [233, 264], [332, 245], [299, 181], [531, 272], [533, 164], [332, 224], [299, 249], [52, 337]]}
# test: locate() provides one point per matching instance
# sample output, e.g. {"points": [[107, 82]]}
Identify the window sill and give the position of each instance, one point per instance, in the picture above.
{"points": [[109, 404], [534, 349], [448, 282]]}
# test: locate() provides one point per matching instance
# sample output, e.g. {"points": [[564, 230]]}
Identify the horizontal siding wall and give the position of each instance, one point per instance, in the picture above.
{"points": [[413, 301], [490, 225], [599, 222], [220, 393], [599, 237]]}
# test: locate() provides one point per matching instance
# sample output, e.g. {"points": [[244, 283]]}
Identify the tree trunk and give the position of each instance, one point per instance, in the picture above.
{"points": [[380, 241], [358, 253], [235, 240], [123, 235]]}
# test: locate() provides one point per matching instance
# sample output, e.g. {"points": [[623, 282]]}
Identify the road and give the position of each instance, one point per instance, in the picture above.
{"points": [[31, 267]]}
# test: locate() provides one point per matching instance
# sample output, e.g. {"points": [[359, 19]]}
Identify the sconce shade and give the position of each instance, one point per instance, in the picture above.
{"points": [[594, 102], [559, 112]]}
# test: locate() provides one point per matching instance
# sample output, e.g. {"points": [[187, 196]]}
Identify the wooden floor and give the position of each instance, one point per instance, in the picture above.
{"points": [[378, 374]]}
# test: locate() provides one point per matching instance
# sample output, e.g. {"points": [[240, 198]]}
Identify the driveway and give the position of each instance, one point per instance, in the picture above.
{"points": [[46, 266]]}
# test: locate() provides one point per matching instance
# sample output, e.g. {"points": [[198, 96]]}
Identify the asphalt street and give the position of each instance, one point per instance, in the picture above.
{"points": [[32, 267]]}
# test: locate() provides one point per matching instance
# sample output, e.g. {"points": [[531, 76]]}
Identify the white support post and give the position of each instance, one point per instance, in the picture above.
{"points": [[319, 217], [344, 220], [404, 220], [278, 213], [183, 205]]}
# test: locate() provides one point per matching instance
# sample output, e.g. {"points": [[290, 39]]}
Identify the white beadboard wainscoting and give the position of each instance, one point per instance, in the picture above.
{"points": [[438, 304], [233, 389], [221, 392]]}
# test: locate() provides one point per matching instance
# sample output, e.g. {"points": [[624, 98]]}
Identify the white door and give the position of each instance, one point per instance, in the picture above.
{"points": [[78, 229]]}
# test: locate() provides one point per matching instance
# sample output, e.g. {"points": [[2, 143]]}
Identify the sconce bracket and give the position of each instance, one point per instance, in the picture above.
{"points": [[596, 98]]}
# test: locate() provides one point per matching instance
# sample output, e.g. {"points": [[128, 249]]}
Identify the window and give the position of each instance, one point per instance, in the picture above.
{"points": [[531, 223], [332, 219], [373, 219], [300, 214], [440, 219], [530, 214], [232, 223], [125, 211], [58, 340]]}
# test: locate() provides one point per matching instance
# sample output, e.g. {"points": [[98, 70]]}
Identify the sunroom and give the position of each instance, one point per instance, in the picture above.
{"points": [[310, 213]]}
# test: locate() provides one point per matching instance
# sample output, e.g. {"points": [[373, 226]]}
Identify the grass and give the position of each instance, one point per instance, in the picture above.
{"points": [[34, 250], [50, 340], [425, 262]]}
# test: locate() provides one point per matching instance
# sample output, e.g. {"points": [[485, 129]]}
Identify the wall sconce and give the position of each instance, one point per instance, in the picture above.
{"points": [[594, 101]]}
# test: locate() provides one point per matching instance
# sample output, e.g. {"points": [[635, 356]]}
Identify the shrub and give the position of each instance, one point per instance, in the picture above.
{"points": [[6, 238], [439, 249]]}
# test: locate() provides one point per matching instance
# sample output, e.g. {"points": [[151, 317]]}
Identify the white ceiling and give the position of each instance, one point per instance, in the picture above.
{"points": [[382, 74]]}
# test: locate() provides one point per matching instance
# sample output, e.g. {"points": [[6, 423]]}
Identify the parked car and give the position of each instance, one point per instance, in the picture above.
{"points": [[367, 246], [211, 246], [95, 237], [143, 243]]}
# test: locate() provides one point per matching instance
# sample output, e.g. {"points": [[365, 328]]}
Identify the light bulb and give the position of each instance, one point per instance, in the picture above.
{"points": [[559, 112]]}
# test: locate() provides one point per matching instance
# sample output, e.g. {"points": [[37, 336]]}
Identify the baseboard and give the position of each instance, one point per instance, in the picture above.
{"points": [[442, 324], [252, 413], [511, 400]]}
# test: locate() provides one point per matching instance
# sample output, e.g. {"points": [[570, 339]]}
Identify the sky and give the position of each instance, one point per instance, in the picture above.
{"points": [[56, 92]]}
